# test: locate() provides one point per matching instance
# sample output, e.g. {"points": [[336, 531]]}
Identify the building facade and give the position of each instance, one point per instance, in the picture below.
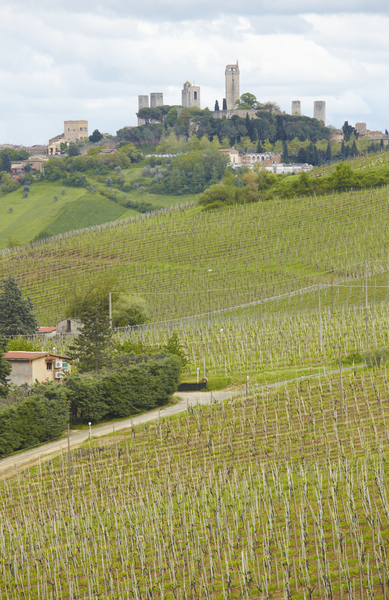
{"points": [[75, 131], [296, 108], [143, 102], [41, 366], [319, 111], [156, 99], [190, 95], [232, 85]]}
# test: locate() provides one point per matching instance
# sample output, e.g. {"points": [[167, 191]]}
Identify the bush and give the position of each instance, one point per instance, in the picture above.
{"points": [[377, 357], [133, 384], [39, 418]]}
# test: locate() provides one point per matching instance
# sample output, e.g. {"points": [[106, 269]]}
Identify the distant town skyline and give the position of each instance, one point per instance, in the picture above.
{"points": [[84, 60]]}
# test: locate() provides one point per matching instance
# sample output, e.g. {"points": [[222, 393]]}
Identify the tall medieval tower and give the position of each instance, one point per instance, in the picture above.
{"points": [[232, 85]]}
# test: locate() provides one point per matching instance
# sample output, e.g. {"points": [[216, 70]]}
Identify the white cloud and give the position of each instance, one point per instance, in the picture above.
{"points": [[84, 60]]}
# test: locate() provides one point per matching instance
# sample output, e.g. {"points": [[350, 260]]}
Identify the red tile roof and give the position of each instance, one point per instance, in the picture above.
{"points": [[21, 355], [46, 329]]}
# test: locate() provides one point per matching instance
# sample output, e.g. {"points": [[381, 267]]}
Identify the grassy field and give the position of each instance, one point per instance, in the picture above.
{"points": [[24, 218], [280, 495]]}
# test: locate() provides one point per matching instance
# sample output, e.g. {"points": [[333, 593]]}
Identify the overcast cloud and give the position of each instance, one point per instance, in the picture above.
{"points": [[90, 60]]}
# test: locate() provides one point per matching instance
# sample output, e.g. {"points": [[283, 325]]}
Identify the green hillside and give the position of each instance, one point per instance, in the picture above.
{"points": [[280, 495], [188, 262], [24, 218]]}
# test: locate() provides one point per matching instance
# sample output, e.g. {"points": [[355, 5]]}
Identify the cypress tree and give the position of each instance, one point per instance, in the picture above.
{"points": [[285, 152], [328, 152], [216, 106], [224, 104], [16, 316]]}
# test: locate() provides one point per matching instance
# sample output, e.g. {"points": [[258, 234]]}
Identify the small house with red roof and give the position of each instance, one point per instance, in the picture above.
{"points": [[27, 367]]}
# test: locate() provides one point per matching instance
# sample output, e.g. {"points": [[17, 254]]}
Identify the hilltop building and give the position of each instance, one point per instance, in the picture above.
{"points": [[156, 99], [296, 108], [373, 136], [190, 95], [232, 85], [75, 131], [319, 111]]}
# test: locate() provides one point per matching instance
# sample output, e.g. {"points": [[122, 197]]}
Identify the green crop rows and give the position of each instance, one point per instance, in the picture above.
{"points": [[187, 262], [282, 495]]}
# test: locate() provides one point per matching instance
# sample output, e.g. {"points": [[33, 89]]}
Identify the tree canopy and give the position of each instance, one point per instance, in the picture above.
{"points": [[16, 312]]}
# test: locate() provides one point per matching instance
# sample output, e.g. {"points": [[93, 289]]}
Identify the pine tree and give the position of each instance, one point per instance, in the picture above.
{"points": [[16, 316], [93, 343]]}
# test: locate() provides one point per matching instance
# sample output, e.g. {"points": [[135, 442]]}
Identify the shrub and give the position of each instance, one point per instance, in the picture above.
{"points": [[377, 357]]}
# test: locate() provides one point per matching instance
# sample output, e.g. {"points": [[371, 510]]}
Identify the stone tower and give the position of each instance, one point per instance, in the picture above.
{"points": [[143, 102], [296, 108], [319, 111], [156, 99], [191, 95], [232, 85]]}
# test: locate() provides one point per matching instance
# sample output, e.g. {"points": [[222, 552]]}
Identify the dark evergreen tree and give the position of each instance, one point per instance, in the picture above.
{"points": [[96, 136], [348, 130], [5, 161], [285, 152], [259, 147], [93, 343], [343, 149], [328, 152], [224, 104], [16, 316], [217, 106], [354, 150], [302, 155]]}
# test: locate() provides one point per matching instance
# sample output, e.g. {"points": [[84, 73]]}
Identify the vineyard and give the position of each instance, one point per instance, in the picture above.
{"points": [[283, 494], [213, 261]]}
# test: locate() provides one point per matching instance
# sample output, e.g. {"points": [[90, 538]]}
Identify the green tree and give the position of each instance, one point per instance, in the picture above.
{"points": [[224, 104], [91, 347], [96, 136], [74, 150], [5, 161], [175, 347], [16, 316], [328, 152], [217, 108], [348, 130], [129, 310], [246, 101], [285, 153], [5, 369]]}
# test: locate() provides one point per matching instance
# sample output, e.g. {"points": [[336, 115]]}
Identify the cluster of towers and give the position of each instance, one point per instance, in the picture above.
{"points": [[190, 96], [319, 109]]}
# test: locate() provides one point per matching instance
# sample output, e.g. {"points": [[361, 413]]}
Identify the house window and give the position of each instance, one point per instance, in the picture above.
{"points": [[49, 366], [195, 95]]}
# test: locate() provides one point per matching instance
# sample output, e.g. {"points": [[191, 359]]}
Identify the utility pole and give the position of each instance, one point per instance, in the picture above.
{"points": [[69, 473], [320, 321], [366, 309]]}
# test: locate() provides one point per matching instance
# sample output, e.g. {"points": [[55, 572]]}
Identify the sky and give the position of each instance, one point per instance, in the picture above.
{"points": [[90, 60]]}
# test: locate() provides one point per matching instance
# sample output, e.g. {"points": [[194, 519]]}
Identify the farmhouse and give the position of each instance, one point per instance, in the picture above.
{"points": [[41, 366]]}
